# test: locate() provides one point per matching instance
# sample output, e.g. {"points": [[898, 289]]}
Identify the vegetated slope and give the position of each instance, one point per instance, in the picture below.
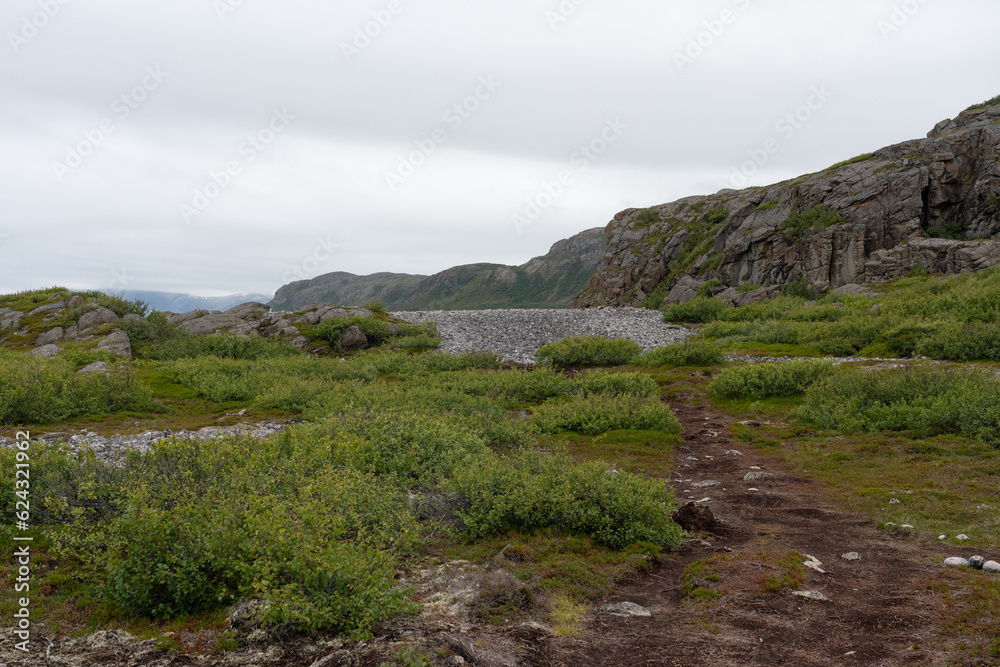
{"points": [[932, 203], [550, 281]]}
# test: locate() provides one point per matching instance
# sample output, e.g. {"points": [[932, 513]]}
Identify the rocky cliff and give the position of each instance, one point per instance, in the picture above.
{"points": [[550, 281], [930, 203]]}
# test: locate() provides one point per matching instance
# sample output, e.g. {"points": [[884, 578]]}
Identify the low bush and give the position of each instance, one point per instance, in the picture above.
{"points": [[928, 401], [376, 330], [688, 353], [699, 309], [768, 380], [531, 490], [594, 415], [589, 351]]}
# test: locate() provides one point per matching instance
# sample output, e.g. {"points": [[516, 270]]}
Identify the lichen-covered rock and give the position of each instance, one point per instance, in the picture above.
{"points": [[353, 338], [51, 336], [96, 318], [45, 351], [868, 220], [118, 344]]}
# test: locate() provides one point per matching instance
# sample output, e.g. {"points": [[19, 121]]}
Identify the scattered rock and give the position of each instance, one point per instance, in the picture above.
{"points": [[99, 367], [75, 302], [11, 319], [757, 476], [991, 566], [811, 595], [58, 305], [208, 324], [96, 318], [895, 501], [540, 628], [51, 336], [709, 483], [956, 562], [977, 562], [814, 564], [45, 351], [733, 452], [852, 556], [961, 538], [626, 609]]}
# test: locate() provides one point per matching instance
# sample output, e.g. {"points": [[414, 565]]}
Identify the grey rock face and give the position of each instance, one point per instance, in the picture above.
{"points": [[889, 206], [96, 318], [208, 324], [117, 344], [51, 336], [353, 338], [11, 319], [99, 367], [45, 351]]}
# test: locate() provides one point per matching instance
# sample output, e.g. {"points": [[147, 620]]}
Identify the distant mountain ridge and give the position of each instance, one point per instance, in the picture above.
{"points": [[549, 281], [172, 302]]}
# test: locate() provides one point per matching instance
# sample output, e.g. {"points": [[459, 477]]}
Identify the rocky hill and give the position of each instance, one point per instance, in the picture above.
{"points": [[550, 281], [929, 204]]}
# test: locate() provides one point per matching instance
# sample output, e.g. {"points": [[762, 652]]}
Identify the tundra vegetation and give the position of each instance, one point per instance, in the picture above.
{"points": [[405, 457]]}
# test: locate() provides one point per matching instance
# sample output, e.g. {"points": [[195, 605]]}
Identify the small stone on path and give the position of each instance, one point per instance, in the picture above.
{"points": [[626, 609], [854, 555], [811, 595]]}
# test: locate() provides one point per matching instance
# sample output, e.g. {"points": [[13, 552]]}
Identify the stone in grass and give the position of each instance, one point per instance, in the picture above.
{"points": [[991, 566], [45, 351], [956, 562], [626, 609], [962, 538], [98, 367], [977, 562]]}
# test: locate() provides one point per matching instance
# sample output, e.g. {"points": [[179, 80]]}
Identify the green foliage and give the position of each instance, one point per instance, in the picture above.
{"points": [[375, 307], [646, 218], [41, 391], [801, 289], [748, 287], [983, 105], [688, 353], [854, 160], [699, 309], [817, 217], [949, 230], [768, 205], [530, 490], [376, 330], [768, 380], [705, 291], [588, 351], [716, 215], [599, 414], [928, 401]]}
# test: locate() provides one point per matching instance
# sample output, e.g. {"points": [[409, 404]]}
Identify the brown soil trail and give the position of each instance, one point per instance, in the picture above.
{"points": [[880, 611]]}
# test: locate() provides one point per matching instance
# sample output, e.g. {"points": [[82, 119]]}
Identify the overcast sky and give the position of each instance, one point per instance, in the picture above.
{"points": [[221, 146]]}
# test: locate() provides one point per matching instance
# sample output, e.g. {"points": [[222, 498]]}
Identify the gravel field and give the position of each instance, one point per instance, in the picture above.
{"points": [[517, 334]]}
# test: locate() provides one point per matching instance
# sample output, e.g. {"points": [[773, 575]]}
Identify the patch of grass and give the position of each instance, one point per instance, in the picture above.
{"points": [[950, 230], [748, 287], [768, 205], [566, 615], [599, 414], [641, 452], [705, 291], [716, 215], [818, 217], [699, 309], [854, 160], [983, 105], [646, 218]]}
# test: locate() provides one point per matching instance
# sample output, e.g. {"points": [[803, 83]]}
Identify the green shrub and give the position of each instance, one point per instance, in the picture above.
{"points": [[801, 289], [929, 401], [646, 218], [598, 414], [716, 215], [983, 105], [530, 490], [615, 384], [376, 330], [705, 291], [699, 309], [768, 380], [588, 351], [817, 217], [949, 230], [688, 353]]}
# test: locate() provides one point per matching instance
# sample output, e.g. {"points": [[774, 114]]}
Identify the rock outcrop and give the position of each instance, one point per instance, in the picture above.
{"points": [[932, 203]]}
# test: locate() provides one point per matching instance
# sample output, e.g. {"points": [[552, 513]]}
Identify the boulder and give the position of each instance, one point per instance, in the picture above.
{"points": [[11, 320], [696, 518], [626, 609], [118, 344], [353, 338], [58, 305], [75, 302], [99, 367], [133, 317], [251, 310], [51, 336], [96, 318], [208, 324], [45, 351], [181, 318], [991, 566]]}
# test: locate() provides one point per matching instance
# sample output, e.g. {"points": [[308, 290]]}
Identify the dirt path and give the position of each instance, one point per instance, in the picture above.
{"points": [[879, 608]]}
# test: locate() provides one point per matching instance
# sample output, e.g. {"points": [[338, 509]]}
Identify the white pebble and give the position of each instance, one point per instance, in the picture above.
{"points": [[962, 537]]}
